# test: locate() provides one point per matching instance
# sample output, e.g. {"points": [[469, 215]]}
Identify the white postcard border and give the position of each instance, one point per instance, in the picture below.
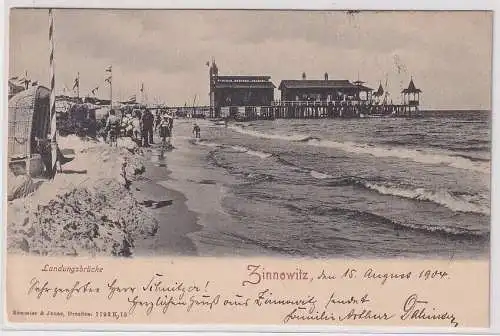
{"points": [[292, 4]]}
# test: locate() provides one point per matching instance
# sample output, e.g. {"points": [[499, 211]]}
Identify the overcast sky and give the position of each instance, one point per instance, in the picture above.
{"points": [[448, 53]]}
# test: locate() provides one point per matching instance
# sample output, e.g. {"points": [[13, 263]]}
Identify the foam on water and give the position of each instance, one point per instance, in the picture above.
{"points": [[319, 175], [259, 154], [209, 144], [426, 157], [295, 137], [459, 203], [405, 153]]}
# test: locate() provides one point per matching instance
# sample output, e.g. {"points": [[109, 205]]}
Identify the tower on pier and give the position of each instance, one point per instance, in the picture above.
{"points": [[411, 98]]}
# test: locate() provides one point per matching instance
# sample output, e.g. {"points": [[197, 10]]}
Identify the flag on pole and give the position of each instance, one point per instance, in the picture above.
{"points": [[142, 87], [26, 83], [26, 80], [94, 90], [108, 80], [109, 69], [53, 120], [76, 83], [208, 63]]}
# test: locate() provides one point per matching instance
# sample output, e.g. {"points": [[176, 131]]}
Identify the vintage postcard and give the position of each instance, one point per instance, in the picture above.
{"points": [[280, 168]]}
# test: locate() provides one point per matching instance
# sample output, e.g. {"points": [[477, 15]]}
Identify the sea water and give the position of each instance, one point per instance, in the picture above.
{"points": [[349, 188]]}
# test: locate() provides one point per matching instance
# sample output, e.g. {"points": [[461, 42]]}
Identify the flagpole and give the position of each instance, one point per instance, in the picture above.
{"points": [[110, 81], [78, 85], [26, 81], [143, 97], [111, 90], [53, 118]]}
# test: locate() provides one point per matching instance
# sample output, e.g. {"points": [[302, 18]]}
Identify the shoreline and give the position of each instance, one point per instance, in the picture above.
{"points": [[175, 220], [196, 192]]}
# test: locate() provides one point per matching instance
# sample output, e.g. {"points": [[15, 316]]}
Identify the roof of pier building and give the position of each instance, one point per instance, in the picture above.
{"points": [[321, 84]]}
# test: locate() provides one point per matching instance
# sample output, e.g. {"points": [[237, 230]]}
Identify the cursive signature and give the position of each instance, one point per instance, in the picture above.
{"points": [[416, 309]]}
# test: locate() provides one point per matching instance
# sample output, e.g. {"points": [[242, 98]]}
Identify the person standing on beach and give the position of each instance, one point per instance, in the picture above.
{"points": [[127, 124], [103, 132], [158, 119], [113, 127], [137, 127], [165, 127], [170, 122], [196, 131], [147, 127]]}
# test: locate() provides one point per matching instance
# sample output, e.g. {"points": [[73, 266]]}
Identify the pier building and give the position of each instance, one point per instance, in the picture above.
{"points": [[325, 90], [239, 95]]}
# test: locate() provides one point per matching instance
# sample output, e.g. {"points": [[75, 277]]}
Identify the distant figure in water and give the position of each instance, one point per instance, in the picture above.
{"points": [[196, 131]]}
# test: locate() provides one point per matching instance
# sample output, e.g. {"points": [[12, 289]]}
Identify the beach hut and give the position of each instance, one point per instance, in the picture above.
{"points": [[29, 118]]}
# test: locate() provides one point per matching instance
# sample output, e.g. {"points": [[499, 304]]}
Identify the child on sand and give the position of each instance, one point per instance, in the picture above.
{"points": [[196, 131]]}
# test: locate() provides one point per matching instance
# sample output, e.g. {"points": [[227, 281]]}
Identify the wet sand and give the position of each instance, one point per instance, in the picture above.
{"points": [[175, 220], [195, 191]]}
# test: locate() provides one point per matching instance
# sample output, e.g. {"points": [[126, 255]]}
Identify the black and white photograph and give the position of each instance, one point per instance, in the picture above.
{"points": [[319, 134]]}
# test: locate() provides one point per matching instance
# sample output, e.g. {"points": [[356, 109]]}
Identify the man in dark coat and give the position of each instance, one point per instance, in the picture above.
{"points": [[147, 128]]}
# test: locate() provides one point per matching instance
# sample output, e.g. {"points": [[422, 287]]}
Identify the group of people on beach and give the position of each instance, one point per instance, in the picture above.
{"points": [[139, 125]]}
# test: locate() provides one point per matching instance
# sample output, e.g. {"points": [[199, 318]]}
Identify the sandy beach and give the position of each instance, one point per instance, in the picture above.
{"points": [[107, 201]]}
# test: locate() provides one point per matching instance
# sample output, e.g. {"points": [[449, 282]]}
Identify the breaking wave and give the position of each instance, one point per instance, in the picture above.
{"points": [[405, 153], [294, 137], [319, 175], [240, 149], [446, 230], [373, 218], [259, 154], [457, 203], [465, 203], [378, 151], [209, 144]]}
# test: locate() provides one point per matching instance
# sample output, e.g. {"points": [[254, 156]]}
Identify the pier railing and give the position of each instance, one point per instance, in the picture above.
{"points": [[315, 110]]}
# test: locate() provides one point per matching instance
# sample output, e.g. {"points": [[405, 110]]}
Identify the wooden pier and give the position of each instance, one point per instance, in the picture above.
{"points": [[313, 110], [252, 98]]}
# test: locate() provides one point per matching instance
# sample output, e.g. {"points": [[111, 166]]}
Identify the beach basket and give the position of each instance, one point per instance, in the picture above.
{"points": [[29, 118]]}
